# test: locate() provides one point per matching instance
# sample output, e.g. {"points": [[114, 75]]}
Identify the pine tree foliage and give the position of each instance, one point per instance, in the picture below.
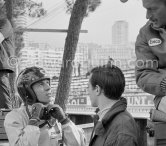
{"points": [[29, 7], [92, 5]]}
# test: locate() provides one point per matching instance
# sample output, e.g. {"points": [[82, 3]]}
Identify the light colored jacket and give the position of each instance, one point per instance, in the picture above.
{"points": [[21, 134], [150, 68]]}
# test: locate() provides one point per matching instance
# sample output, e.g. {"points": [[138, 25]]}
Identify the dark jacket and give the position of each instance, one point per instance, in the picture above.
{"points": [[150, 50], [117, 128], [6, 47]]}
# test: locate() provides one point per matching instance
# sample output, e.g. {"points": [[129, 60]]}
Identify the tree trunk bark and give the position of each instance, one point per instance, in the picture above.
{"points": [[15, 100], [77, 16], [9, 10], [12, 76]]}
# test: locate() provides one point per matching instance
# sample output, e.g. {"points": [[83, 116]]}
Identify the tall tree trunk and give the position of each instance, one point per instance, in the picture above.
{"points": [[9, 13], [77, 16], [9, 10], [14, 100]]}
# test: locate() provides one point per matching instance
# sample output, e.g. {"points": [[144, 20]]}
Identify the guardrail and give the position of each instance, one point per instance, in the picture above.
{"points": [[136, 111]]}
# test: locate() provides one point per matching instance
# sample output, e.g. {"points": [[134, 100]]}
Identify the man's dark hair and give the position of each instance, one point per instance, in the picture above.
{"points": [[110, 79]]}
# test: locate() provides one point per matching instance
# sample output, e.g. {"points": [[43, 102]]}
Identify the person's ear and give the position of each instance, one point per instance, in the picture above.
{"points": [[98, 90]]}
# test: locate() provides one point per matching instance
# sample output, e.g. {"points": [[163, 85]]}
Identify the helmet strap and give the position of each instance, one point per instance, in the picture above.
{"points": [[27, 110]]}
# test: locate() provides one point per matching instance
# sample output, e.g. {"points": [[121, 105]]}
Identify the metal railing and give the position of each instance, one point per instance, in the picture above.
{"points": [[136, 111]]}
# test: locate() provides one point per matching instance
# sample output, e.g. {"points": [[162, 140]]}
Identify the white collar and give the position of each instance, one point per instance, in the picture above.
{"points": [[102, 113]]}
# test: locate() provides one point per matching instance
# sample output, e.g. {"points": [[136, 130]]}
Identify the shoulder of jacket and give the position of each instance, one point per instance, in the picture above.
{"points": [[123, 117], [15, 114], [145, 28]]}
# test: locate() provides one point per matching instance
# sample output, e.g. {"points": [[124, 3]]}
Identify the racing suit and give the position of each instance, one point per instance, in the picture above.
{"points": [[21, 134], [150, 67]]}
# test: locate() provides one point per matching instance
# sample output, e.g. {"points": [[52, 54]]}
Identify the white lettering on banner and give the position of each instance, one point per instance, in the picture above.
{"points": [[135, 100], [77, 101], [140, 100]]}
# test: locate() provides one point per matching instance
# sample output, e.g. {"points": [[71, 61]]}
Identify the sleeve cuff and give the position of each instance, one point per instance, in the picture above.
{"points": [[65, 121], [66, 125], [1, 37], [163, 85]]}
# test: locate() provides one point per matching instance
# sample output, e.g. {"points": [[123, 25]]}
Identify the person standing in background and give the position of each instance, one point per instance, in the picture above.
{"points": [[6, 52], [150, 49]]}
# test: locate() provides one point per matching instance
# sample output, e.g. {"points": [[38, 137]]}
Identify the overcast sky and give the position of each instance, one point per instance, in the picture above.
{"points": [[99, 23]]}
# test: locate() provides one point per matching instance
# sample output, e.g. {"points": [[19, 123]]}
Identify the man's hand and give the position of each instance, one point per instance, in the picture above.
{"points": [[37, 114], [6, 28], [57, 112]]}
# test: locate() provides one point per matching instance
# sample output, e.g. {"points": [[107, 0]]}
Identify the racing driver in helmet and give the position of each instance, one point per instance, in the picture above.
{"points": [[38, 122]]}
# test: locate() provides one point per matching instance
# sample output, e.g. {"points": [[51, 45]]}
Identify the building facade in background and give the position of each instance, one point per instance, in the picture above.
{"points": [[120, 33], [42, 55], [49, 58]]}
